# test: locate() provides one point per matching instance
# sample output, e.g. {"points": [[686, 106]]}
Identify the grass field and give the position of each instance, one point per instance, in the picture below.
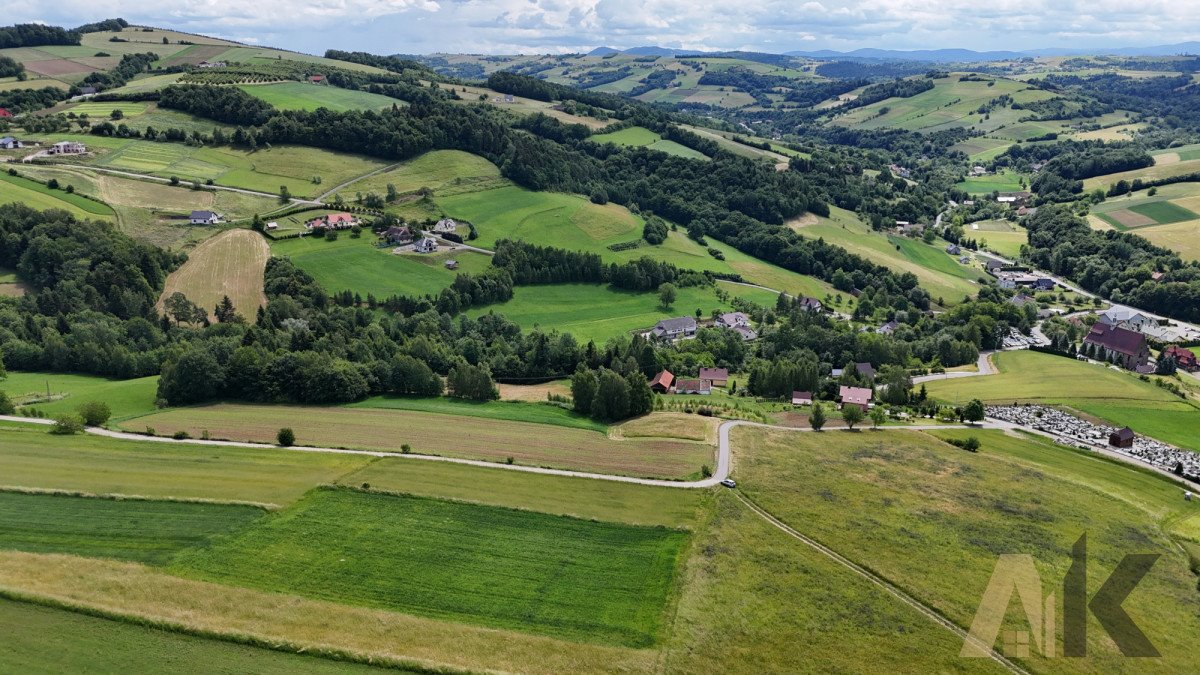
{"points": [[55, 393], [580, 579], [438, 434], [264, 170], [230, 264], [595, 312], [1168, 219], [361, 266], [1003, 181], [1161, 169], [643, 137], [938, 273], [1001, 236], [933, 519], [535, 413], [38, 196], [10, 285], [1117, 397], [305, 96], [32, 458], [127, 529], [37, 637], [442, 171]]}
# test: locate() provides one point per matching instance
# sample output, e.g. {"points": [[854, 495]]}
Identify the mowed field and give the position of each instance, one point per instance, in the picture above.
{"points": [[933, 519], [1001, 236], [56, 393], [229, 265], [1003, 181], [1171, 218], [438, 434], [506, 568], [362, 266], [595, 312], [140, 530], [38, 196], [1118, 398], [10, 285], [939, 273], [642, 137], [444, 172], [263, 170], [305, 96]]}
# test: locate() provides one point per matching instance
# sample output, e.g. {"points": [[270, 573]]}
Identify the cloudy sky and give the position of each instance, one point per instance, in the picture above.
{"points": [[528, 26]]}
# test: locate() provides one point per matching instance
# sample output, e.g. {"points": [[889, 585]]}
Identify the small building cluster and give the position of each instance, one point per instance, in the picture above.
{"points": [[739, 323], [1010, 279], [1014, 198], [666, 383], [1131, 319], [1185, 359], [333, 221]]}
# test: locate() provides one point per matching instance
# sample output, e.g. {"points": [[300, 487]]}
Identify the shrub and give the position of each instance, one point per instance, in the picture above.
{"points": [[508, 460], [706, 471], [66, 425], [6, 405], [406, 448], [95, 413], [970, 443], [286, 437], [181, 435]]}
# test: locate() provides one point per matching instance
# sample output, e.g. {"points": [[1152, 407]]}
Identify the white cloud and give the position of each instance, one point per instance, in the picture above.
{"points": [[499, 26]]}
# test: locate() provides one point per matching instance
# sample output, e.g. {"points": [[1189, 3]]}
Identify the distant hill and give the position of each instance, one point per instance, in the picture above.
{"points": [[970, 55], [603, 51]]}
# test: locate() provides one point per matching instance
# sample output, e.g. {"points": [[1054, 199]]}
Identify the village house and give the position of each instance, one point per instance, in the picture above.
{"points": [[866, 370], [272, 225], [1126, 318], [9, 143], [445, 226], [674, 329], [954, 249], [316, 79], [888, 328], [965, 260], [746, 332], [1121, 438], [397, 235], [719, 377], [1185, 359], [335, 221], [662, 382], [67, 148], [811, 304], [451, 264], [978, 171], [204, 218], [211, 64], [856, 396], [5, 113], [733, 320], [1118, 345], [426, 245], [1021, 299], [802, 398], [1011, 280], [693, 386], [1014, 198], [993, 266]]}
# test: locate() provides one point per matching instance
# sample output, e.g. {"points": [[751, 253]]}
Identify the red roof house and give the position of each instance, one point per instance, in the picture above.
{"points": [[662, 382], [337, 221], [316, 79], [859, 396], [1185, 359], [5, 113], [1119, 345]]}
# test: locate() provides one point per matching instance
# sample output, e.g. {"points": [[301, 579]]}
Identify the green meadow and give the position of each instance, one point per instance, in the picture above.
{"points": [[512, 569], [643, 137], [517, 411], [933, 519], [128, 529], [38, 196], [1003, 181], [442, 171], [360, 265], [56, 393], [595, 312], [305, 96], [1120, 398]]}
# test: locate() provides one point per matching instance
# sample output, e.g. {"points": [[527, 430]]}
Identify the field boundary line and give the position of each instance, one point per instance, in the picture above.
{"points": [[119, 497], [879, 581]]}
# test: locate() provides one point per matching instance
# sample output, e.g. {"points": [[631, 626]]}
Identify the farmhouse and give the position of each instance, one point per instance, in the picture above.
{"points": [[272, 225], [87, 91], [204, 218], [801, 398], [397, 235], [674, 329], [978, 171], [1118, 345], [746, 332], [4, 113], [1185, 359], [1011, 280], [693, 386], [1014, 198], [9, 143], [993, 266], [316, 79], [426, 245], [953, 249], [1121, 438], [662, 382], [334, 221], [445, 226], [717, 376], [856, 396], [67, 148], [811, 304], [211, 64], [733, 320]]}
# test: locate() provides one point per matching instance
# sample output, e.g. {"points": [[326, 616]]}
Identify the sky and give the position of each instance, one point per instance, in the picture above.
{"points": [[564, 26]]}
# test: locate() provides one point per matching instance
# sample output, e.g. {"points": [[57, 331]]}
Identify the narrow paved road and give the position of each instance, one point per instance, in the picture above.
{"points": [[983, 367], [321, 197]]}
